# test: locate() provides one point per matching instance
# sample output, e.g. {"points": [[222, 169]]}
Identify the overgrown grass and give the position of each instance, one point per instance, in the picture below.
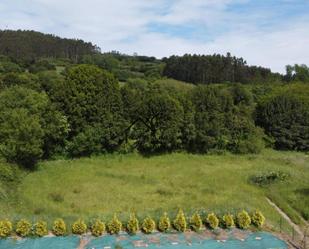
{"points": [[100, 186]]}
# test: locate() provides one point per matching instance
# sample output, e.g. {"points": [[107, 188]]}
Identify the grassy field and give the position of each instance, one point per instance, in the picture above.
{"points": [[100, 186]]}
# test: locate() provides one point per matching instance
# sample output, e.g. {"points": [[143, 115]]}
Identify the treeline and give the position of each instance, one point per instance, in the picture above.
{"points": [[206, 69], [84, 111], [27, 46]]}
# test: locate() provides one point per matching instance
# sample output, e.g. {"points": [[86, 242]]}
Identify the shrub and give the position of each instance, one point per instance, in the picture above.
{"points": [[97, 228], [196, 222], [212, 221], [180, 223], [258, 219], [23, 228], [6, 228], [59, 227], [40, 228], [79, 227], [243, 220], [148, 225], [133, 225], [269, 178], [114, 226], [228, 221], [164, 223]]}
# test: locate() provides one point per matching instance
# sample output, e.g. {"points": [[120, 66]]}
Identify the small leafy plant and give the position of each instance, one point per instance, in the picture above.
{"points": [[196, 222], [228, 221], [258, 219], [59, 227], [23, 228], [180, 223], [79, 227], [114, 226], [243, 220], [6, 228], [133, 224], [40, 229], [97, 228], [268, 178], [164, 223], [212, 221], [148, 225]]}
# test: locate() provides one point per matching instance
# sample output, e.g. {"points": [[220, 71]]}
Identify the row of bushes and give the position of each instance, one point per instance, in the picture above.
{"points": [[243, 220]]}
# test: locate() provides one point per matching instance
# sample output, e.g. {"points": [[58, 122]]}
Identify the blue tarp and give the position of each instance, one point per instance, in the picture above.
{"points": [[264, 241]]}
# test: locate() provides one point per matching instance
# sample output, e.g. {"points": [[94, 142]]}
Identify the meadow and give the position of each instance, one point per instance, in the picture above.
{"points": [[102, 185]]}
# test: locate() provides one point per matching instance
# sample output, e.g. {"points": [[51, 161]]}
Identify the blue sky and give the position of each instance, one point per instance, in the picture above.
{"points": [[271, 33]]}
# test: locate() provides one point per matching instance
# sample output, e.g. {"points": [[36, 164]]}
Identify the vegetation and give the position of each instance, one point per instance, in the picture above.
{"points": [[196, 222], [258, 219], [243, 220], [148, 225], [62, 99], [6, 228], [114, 226], [40, 229], [164, 223], [133, 224], [59, 227], [180, 222], [228, 220], [212, 221], [23, 228], [79, 227], [97, 228]]}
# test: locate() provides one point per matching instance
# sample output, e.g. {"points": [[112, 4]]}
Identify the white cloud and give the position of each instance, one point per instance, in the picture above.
{"points": [[124, 25]]}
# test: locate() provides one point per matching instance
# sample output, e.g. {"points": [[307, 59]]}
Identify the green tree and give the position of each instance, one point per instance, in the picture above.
{"points": [[30, 127]]}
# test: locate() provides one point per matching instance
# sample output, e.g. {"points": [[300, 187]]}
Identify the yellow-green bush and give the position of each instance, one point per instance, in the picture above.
{"points": [[180, 223], [258, 219], [97, 228], [133, 224], [243, 220], [6, 228], [79, 227], [114, 226], [148, 225], [40, 228], [23, 228], [164, 223], [228, 221], [59, 227], [196, 222], [212, 221]]}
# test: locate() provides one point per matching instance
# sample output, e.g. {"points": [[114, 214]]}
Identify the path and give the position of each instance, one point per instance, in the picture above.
{"points": [[287, 218]]}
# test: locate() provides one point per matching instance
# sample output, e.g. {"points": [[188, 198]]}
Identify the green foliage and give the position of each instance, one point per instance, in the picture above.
{"points": [[97, 228], [59, 227], [6, 228], [285, 117], [40, 229], [114, 226], [258, 219], [212, 221], [243, 220], [79, 227], [158, 127], [164, 223], [30, 127], [180, 222], [228, 221], [196, 222], [270, 177], [23, 228], [148, 225], [133, 224]]}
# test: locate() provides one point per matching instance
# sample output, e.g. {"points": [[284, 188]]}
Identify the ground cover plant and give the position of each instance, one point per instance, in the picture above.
{"points": [[147, 180]]}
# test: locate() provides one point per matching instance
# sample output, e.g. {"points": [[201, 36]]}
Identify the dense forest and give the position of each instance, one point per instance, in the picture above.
{"points": [[62, 97]]}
